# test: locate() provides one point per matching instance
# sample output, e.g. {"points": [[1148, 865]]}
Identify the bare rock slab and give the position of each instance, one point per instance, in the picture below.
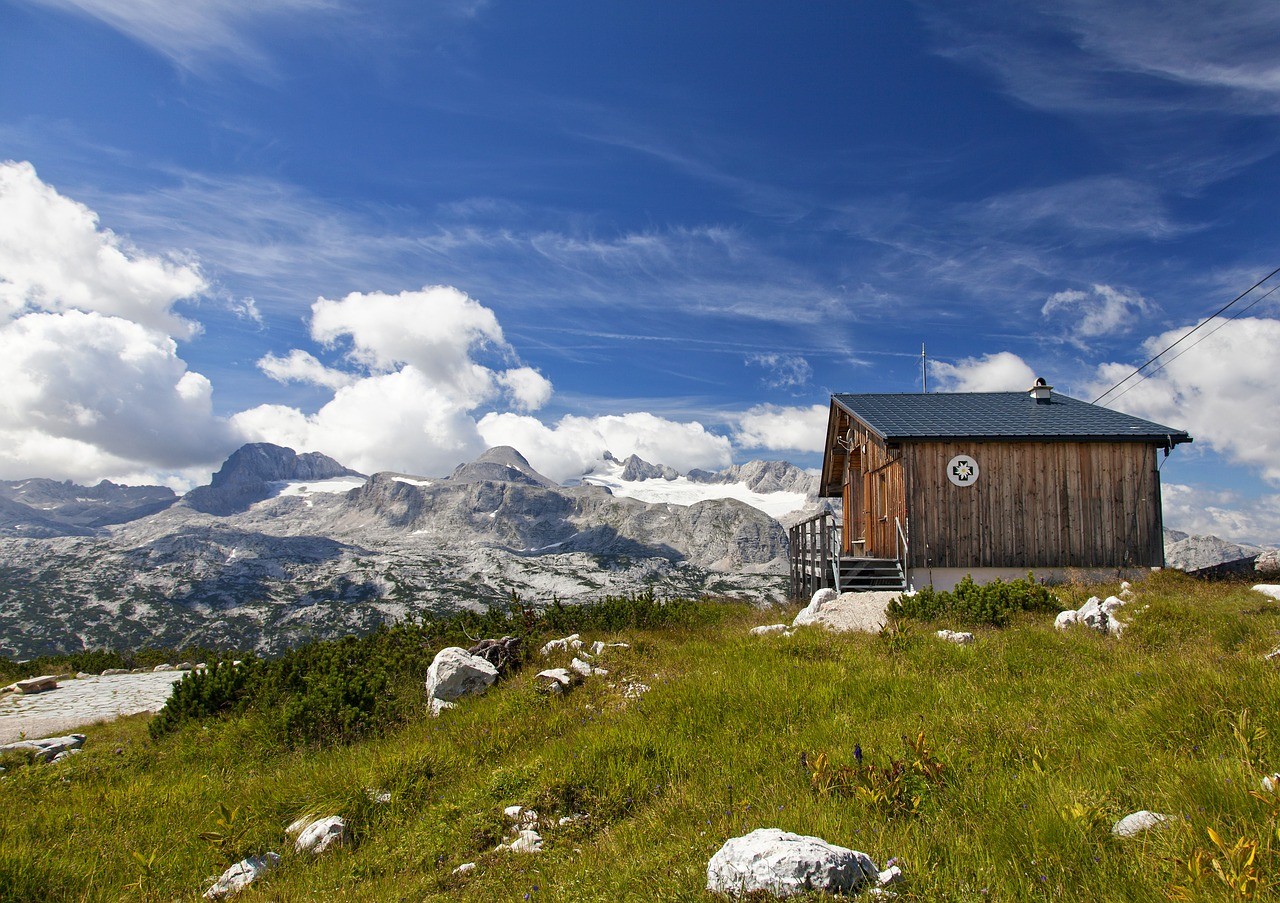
{"points": [[782, 864], [455, 673], [848, 612], [322, 834], [1139, 822], [241, 875], [37, 684]]}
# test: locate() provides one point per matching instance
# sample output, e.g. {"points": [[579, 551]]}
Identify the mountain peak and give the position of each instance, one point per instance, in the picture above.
{"points": [[243, 477], [500, 464]]}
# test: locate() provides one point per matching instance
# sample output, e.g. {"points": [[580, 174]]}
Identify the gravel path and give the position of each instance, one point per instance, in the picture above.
{"points": [[85, 701]]}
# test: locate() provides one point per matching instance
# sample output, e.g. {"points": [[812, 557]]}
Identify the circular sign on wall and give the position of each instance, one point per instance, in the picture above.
{"points": [[962, 470]]}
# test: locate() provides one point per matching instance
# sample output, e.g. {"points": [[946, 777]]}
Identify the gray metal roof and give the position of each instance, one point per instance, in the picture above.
{"points": [[999, 415]]}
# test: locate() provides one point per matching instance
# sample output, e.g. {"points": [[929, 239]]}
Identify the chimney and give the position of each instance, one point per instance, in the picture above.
{"points": [[1041, 391]]}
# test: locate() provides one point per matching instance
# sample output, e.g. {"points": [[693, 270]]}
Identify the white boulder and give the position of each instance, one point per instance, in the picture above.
{"points": [[849, 612], [464, 868], [455, 673], [241, 875], [1268, 589], [321, 834], [783, 864], [50, 749], [526, 841], [555, 680], [766, 629], [578, 666], [37, 684], [953, 636], [571, 643], [1066, 619], [1137, 822]]}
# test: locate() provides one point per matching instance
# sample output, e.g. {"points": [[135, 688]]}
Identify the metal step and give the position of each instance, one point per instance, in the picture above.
{"points": [[870, 574]]}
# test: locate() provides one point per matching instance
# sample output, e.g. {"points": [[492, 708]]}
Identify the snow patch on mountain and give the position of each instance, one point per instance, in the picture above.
{"points": [[285, 488], [664, 488]]}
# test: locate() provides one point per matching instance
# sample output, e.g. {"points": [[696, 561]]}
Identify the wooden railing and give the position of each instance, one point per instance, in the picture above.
{"points": [[815, 554]]}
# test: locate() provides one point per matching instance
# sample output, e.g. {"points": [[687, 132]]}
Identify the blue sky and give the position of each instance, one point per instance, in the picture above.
{"points": [[397, 232]]}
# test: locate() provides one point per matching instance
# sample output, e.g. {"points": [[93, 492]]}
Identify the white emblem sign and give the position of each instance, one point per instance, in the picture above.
{"points": [[962, 470]]}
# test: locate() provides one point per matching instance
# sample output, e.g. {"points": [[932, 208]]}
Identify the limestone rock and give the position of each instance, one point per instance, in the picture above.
{"points": [[455, 673], [953, 636], [849, 612], [1137, 822], [48, 749], [165, 667], [810, 612], [322, 834], [241, 875], [555, 680], [777, 862], [300, 824], [37, 684], [526, 840], [1066, 619], [578, 666], [766, 629], [1268, 563], [464, 868], [571, 643], [1268, 589], [436, 706], [520, 816]]}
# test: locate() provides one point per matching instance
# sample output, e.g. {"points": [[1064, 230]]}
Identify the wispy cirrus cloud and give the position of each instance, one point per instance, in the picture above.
{"points": [[1098, 56], [193, 32]]}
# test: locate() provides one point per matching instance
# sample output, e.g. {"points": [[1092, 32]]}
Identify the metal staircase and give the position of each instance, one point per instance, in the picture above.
{"points": [[862, 575]]}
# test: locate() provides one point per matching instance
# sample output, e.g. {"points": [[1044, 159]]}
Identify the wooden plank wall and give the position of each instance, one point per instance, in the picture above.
{"points": [[1035, 504], [874, 495]]}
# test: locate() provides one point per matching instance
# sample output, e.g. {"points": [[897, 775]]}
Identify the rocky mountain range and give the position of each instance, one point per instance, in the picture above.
{"points": [[282, 546]]}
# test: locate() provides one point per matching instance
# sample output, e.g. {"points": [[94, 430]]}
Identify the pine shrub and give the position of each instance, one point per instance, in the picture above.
{"points": [[976, 604]]}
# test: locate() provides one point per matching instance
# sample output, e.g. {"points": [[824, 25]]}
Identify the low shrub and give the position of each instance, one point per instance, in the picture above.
{"points": [[977, 604], [337, 691]]}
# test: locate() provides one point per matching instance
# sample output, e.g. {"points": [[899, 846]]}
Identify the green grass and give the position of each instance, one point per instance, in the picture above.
{"points": [[1047, 738]]}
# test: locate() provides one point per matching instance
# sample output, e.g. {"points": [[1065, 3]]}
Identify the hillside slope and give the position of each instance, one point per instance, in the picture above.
{"points": [[1045, 737]]}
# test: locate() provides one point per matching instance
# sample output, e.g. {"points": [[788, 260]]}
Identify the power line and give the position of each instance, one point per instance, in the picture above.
{"points": [[1188, 334], [1240, 313]]}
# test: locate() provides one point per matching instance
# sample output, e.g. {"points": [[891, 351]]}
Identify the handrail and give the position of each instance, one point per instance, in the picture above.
{"points": [[901, 546]]}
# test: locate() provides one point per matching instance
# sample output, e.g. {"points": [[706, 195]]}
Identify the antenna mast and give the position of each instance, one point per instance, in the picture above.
{"points": [[924, 370]]}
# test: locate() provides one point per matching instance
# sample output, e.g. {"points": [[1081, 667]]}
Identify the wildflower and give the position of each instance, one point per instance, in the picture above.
{"points": [[857, 752]]}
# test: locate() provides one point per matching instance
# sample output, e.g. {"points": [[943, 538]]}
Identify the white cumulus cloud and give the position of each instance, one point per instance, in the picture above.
{"points": [[778, 428], [87, 394], [94, 384], [1101, 311], [55, 256], [1222, 390], [1002, 371], [420, 365], [575, 443], [300, 366]]}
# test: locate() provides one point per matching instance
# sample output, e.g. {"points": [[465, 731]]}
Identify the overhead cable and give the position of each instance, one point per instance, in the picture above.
{"points": [[1188, 334]]}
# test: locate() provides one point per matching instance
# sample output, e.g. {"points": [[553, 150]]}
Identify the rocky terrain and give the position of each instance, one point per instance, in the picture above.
{"points": [[282, 547], [1190, 553]]}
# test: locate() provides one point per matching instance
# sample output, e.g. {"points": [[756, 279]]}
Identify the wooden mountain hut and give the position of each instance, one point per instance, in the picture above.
{"points": [[989, 484]]}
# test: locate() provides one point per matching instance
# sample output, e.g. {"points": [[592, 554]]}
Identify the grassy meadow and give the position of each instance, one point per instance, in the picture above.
{"points": [[1044, 737]]}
